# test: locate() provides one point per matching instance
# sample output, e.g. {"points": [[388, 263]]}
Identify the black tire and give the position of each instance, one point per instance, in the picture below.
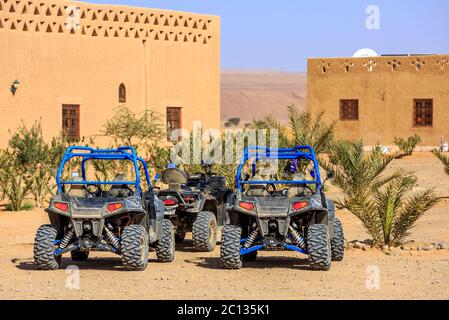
{"points": [[319, 247], [165, 248], [79, 255], [134, 248], [250, 257], [204, 231], [44, 248], [230, 247], [338, 241]]}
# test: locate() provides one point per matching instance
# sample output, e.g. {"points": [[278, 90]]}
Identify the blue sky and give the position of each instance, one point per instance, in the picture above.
{"points": [[282, 34]]}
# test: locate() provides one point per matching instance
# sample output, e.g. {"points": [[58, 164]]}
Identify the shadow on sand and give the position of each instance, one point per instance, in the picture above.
{"points": [[261, 263]]}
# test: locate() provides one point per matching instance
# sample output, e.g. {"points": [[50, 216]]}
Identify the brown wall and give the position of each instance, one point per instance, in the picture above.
{"points": [[165, 58], [385, 96]]}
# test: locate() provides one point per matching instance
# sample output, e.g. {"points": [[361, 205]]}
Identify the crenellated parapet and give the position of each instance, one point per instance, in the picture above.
{"points": [[83, 19], [422, 63]]}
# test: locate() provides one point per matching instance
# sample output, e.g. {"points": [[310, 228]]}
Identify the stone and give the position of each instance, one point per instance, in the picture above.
{"points": [[359, 245]]}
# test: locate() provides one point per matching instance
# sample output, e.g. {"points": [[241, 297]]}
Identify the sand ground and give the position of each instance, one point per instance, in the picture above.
{"points": [[193, 275]]}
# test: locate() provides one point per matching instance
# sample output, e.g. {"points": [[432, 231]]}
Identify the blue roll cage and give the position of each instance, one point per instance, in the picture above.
{"points": [[88, 153], [265, 153]]}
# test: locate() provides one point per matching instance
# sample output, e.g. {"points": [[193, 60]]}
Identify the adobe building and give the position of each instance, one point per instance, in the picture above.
{"points": [[71, 63], [379, 98]]}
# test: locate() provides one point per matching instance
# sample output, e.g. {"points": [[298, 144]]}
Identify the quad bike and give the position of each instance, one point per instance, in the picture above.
{"points": [[195, 203], [280, 214], [124, 220]]}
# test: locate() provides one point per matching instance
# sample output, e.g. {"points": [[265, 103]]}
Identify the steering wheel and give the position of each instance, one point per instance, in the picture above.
{"points": [[273, 188]]}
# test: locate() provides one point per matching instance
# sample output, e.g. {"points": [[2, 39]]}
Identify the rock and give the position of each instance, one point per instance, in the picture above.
{"points": [[426, 248], [385, 248], [444, 246], [359, 245], [437, 245]]}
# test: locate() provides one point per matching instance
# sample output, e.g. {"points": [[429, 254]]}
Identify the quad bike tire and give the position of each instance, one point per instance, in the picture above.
{"points": [[44, 247], [204, 231], [79, 255], [319, 247], [230, 247], [165, 248], [338, 241], [134, 248]]}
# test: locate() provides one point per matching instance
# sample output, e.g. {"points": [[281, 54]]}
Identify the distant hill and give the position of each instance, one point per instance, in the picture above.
{"points": [[248, 95]]}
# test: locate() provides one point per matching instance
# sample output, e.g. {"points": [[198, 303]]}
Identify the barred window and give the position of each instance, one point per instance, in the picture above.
{"points": [[423, 113], [71, 122], [349, 110], [174, 120]]}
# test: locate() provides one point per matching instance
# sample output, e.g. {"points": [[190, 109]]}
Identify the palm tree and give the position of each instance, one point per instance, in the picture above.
{"points": [[386, 205], [303, 130]]}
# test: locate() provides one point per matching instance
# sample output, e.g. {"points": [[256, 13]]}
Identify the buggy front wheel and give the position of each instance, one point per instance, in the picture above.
{"points": [[230, 247]]}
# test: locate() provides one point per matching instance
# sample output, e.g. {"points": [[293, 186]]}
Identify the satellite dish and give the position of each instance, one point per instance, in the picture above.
{"points": [[364, 53]]}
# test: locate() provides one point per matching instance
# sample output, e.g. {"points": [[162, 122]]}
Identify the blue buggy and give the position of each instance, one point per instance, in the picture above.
{"points": [[91, 213], [280, 205]]}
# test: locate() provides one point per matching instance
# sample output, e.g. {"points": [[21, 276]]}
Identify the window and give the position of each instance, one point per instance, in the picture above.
{"points": [[423, 113], [173, 120], [349, 110], [122, 93], [71, 122]]}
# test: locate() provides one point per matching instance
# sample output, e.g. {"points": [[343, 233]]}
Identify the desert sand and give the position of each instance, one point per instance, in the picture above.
{"points": [[193, 275], [268, 92]]}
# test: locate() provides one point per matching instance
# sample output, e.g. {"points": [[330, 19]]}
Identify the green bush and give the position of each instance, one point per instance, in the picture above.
{"points": [[15, 183], [406, 147]]}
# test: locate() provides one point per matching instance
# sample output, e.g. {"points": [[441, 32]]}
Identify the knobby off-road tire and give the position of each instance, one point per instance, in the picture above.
{"points": [[134, 248], [165, 248], [230, 247], [79, 255], [204, 231], [44, 247], [319, 247], [338, 242]]}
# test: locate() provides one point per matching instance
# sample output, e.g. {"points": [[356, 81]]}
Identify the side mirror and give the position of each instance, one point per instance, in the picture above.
{"points": [[330, 175]]}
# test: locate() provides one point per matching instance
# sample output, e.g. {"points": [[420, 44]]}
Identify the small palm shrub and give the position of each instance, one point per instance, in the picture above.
{"points": [[354, 171], [406, 147], [386, 205]]}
